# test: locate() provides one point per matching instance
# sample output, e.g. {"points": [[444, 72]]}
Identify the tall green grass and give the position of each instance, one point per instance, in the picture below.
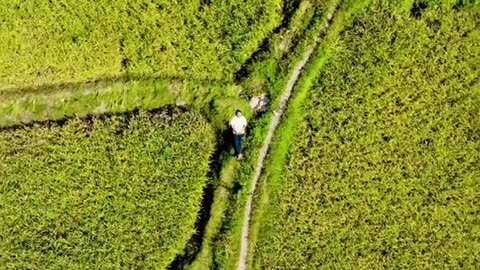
{"points": [[105, 192], [384, 169]]}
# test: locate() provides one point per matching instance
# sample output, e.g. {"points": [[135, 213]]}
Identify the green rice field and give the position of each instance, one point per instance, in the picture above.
{"points": [[115, 150], [384, 169], [63, 41], [113, 192]]}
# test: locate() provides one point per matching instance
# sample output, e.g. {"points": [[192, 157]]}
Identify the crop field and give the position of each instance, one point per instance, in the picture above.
{"points": [[61, 41], [109, 192], [376, 164], [384, 170], [81, 193]]}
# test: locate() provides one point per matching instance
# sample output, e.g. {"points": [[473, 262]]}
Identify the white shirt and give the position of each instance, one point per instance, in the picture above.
{"points": [[238, 124]]}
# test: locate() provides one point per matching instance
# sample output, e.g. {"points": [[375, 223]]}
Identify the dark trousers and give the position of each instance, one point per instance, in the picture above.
{"points": [[237, 143]]}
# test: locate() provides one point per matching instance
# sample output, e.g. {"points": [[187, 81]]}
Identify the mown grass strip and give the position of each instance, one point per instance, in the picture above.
{"points": [[204, 258], [214, 99]]}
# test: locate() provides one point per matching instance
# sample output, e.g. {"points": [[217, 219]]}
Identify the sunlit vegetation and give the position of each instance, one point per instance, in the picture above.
{"points": [[384, 171], [111, 192]]}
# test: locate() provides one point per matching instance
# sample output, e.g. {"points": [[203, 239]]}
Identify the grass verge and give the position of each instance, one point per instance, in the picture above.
{"points": [[214, 99]]}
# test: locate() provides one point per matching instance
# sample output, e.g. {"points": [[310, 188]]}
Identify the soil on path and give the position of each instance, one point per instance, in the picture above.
{"points": [[242, 265]]}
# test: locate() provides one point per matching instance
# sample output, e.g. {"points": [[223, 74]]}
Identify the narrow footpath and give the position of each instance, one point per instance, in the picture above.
{"points": [[242, 265]]}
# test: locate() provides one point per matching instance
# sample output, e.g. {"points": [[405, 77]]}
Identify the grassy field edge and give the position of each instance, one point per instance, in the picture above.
{"points": [[227, 248], [273, 175], [232, 174]]}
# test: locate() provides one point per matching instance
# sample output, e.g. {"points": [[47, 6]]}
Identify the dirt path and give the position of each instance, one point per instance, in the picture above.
{"points": [[242, 265]]}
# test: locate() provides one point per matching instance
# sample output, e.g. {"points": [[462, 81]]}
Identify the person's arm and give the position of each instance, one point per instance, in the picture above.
{"points": [[231, 126], [245, 125]]}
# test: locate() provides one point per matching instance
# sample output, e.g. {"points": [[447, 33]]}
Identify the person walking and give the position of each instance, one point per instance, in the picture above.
{"points": [[238, 125]]}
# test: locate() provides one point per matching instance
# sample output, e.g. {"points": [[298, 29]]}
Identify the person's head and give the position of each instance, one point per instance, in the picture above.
{"points": [[238, 113]]}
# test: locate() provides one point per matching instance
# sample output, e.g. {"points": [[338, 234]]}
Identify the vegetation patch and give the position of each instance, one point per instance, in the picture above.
{"points": [[63, 41], [111, 192], [384, 171], [270, 72]]}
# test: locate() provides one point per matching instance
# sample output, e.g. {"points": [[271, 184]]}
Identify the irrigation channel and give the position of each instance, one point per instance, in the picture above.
{"points": [[242, 265]]}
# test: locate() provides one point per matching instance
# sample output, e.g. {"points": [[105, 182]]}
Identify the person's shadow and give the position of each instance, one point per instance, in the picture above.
{"points": [[227, 139]]}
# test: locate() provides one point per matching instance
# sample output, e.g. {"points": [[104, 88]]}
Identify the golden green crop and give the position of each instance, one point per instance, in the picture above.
{"points": [[58, 41], [385, 169], [105, 193]]}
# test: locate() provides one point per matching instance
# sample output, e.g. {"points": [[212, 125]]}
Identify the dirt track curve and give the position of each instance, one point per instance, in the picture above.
{"points": [[242, 265]]}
